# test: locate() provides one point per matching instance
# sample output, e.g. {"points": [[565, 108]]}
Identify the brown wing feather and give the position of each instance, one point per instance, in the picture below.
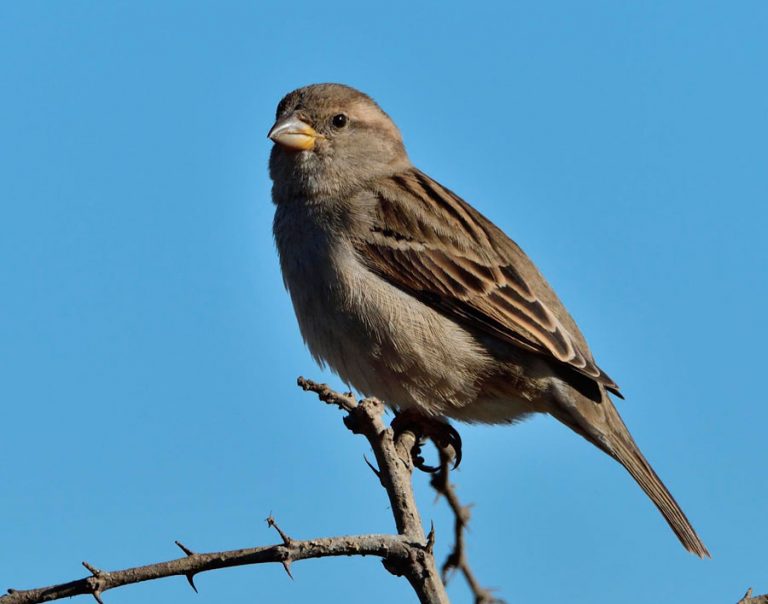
{"points": [[428, 241]]}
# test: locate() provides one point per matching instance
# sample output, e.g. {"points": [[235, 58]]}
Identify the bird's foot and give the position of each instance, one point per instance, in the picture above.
{"points": [[444, 436]]}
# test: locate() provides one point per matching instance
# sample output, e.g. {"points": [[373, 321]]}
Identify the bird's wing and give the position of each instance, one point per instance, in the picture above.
{"points": [[427, 241]]}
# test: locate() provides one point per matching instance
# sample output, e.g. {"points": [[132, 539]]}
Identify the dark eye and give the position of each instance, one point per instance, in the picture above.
{"points": [[339, 120]]}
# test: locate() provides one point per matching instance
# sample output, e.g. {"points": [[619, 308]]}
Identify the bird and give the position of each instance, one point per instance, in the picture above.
{"points": [[412, 296]]}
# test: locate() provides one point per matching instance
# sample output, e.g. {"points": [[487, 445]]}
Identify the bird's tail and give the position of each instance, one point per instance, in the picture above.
{"points": [[610, 434], [626, 452]]}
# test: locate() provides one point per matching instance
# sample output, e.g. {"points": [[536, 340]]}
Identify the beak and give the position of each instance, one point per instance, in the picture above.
{"points": [[294, 134]]}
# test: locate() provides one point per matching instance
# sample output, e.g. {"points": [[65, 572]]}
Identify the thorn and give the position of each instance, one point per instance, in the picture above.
{"points": [[448, 573], [373, 469], [93, 570], [272, 524], [436, 482], [191, 580], [97, 595], [451, 565], [287, 566], [184, 548], [431, 537], [748, 594], [464, 515]]}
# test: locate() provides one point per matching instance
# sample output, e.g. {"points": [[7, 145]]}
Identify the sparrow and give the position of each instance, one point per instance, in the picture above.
{"points": [[412, 296]]}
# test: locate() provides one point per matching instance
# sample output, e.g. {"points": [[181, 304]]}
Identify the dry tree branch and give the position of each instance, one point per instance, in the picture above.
{"points": [[407, 553], [457, 558], [394, 458], [386, 546]]}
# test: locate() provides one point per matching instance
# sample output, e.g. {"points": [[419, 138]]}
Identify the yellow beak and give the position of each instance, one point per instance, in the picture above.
{"points": [[293, 133]]}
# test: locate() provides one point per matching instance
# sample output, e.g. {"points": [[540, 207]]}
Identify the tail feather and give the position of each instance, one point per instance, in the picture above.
{"points": [[601, 424], [628, 455]]}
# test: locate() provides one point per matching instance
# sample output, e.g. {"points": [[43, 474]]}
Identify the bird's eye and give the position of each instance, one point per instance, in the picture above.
{"points": [[339, 120]]}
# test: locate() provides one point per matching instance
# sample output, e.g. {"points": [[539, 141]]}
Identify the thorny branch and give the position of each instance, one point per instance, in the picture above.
{"points": [[408, 553], [100, 581], [457, 559], [395, 467]]}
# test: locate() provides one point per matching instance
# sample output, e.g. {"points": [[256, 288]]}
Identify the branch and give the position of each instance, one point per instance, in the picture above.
{"points": [[457, 559], [394, 457], [385, 546], [408, 553]]}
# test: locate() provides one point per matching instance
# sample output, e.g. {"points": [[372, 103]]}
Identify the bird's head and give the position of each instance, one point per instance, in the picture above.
{"points": [[330, 140]]}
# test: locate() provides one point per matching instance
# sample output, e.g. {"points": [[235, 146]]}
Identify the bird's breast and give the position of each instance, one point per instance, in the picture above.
{"points": [[380, 340]]}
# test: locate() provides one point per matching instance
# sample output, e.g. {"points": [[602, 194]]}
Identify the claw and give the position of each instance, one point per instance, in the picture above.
{"points": [[449, 437], [440, 432], [418, 460]]}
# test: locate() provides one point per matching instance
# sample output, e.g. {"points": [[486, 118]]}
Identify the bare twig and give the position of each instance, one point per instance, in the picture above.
{"points": [[457, 559], [408, 553], [394, 459], [345, 402], [385, 546]]}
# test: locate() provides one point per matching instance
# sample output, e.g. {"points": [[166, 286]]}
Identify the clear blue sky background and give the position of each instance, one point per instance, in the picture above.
{"points": [[148, 351]]}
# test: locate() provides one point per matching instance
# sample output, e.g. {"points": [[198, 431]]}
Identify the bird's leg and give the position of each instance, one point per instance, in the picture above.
{"points": [[440, 432]]}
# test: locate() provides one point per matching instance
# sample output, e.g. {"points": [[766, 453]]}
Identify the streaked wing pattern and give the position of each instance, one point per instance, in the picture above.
{"points": [[428, 241]]}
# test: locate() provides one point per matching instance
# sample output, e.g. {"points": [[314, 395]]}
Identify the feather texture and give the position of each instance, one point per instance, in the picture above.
{"points": [[429, 242]]}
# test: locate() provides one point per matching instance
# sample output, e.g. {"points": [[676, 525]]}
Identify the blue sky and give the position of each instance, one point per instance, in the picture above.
{"points": [[148, 351]]}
